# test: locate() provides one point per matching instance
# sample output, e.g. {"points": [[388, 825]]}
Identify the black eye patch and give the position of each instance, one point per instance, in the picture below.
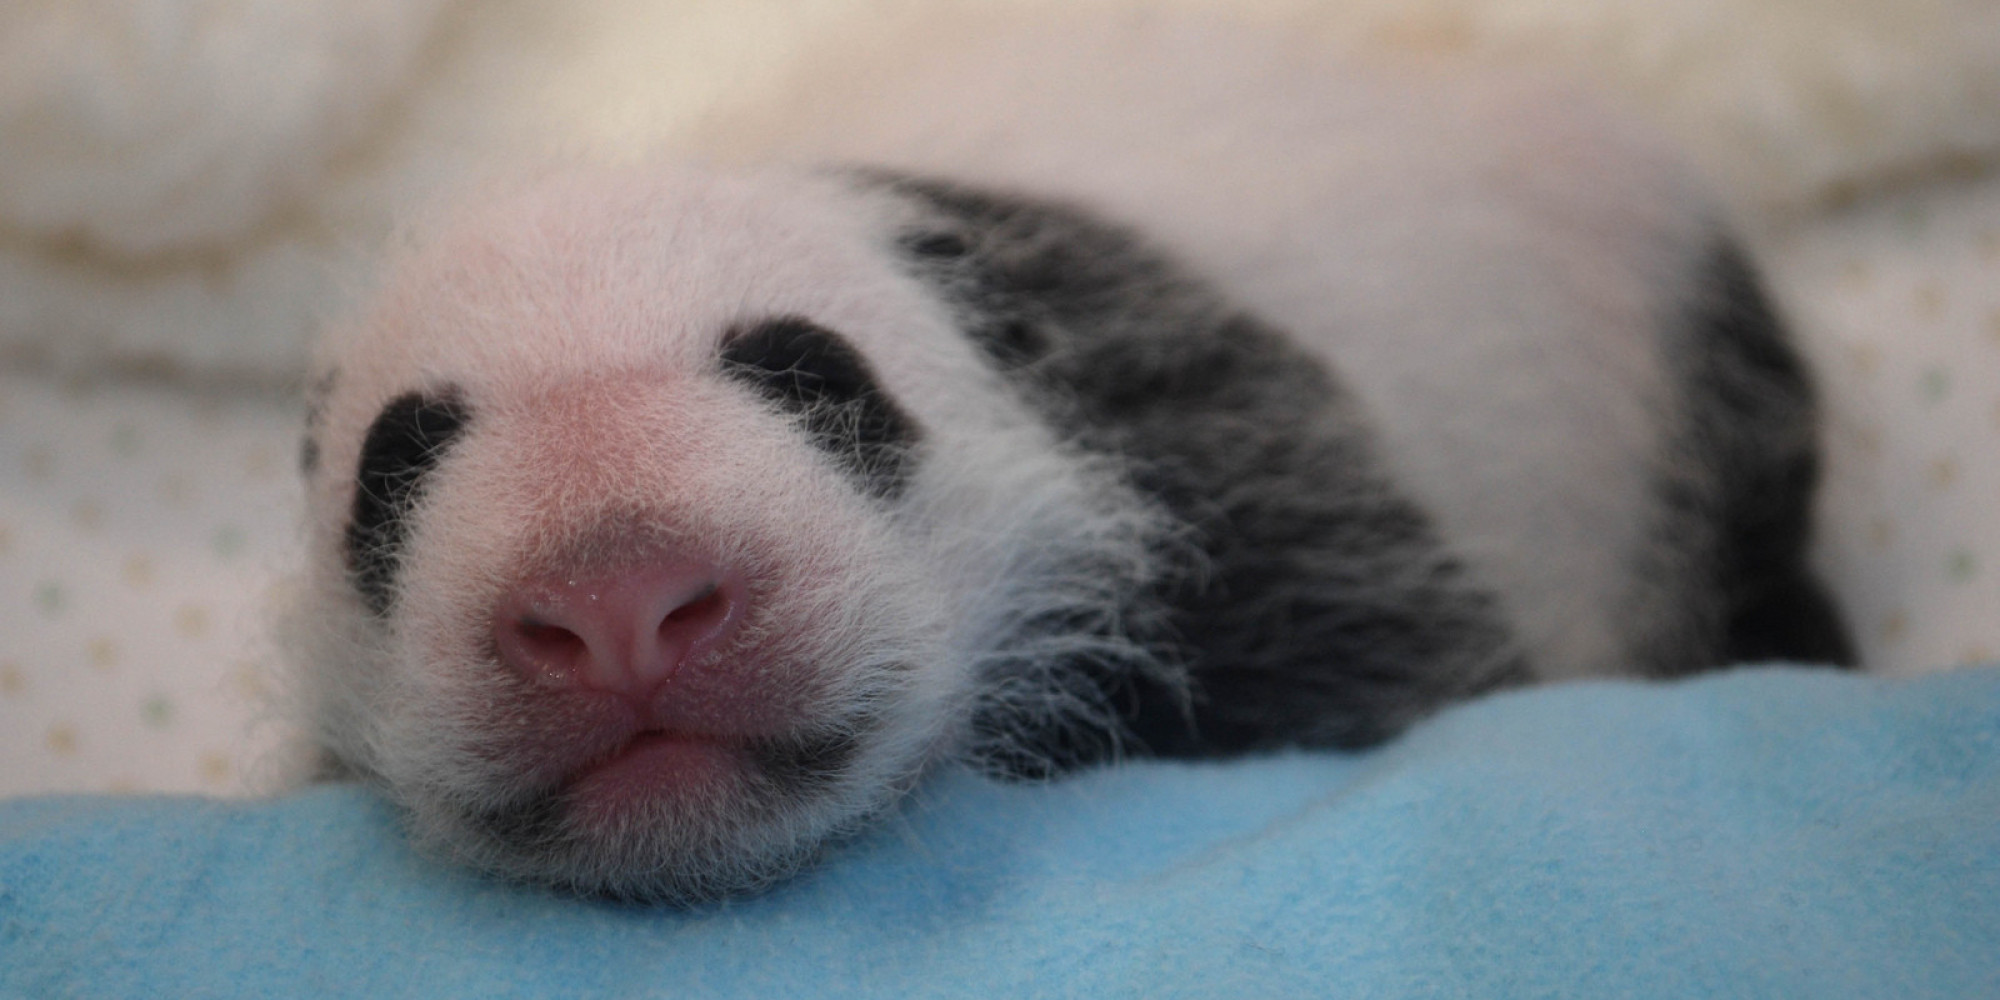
{"points": [[816, 375], [403, 445]]}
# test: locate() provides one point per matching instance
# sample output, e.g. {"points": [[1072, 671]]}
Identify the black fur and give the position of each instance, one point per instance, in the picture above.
{"points": [[1752, 432], [817, 376], [1323, 610], [403, 445]]}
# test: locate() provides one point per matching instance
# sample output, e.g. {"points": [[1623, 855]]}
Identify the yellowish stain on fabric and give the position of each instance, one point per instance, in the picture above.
{"points": [[88, 515], [103, 652], [251, 681], [1930, 301], [1427, 34], [138, 570], [1881, 532], [215, 768], [62, 739], [1865, 358], [192, 621], [1895, 625], [261, 463], [1857, 275], [12, 681], [1943, 472]]}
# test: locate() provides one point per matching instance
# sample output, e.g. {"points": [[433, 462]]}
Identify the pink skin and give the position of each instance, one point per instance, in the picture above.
{"points": [[625, 633], [630, 655]]}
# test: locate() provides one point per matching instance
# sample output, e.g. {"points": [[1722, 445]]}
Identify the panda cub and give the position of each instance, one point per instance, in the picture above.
{"points": [[669, 520]]}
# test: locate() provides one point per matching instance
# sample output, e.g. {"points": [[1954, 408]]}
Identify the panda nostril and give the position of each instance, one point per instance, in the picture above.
{"points": [[704, 609], [557, 654], [624, 631]]}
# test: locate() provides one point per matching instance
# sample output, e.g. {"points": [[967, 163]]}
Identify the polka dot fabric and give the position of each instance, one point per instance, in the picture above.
{"points": [[141, 527], [1900, 302]]}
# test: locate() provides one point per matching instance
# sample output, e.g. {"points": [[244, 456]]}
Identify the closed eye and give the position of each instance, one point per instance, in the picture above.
{"points": [[403, 445], [817, 376]]}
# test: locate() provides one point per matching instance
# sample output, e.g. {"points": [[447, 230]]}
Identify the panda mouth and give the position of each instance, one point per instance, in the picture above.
{"points": [[656, 765], [675, 767]]}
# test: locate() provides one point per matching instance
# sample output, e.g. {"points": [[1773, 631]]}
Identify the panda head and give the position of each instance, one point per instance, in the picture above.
{"points": [[662, 529]]}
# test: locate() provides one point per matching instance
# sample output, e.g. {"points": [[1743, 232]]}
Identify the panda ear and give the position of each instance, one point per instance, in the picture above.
{"points": [[819, 377], [403, 445]]}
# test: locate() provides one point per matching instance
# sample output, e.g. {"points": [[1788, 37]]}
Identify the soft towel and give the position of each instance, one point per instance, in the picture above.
{"points": [[1763, 833]]}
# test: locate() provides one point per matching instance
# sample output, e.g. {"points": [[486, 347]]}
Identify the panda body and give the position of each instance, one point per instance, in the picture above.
{"points": [[670, 519]]}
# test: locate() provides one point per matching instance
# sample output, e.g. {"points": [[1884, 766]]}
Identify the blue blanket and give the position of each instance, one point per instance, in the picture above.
{"points": [[1766, 833]]}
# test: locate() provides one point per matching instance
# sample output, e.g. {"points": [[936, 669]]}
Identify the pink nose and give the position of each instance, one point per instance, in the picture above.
{"points": [[624, 632]]}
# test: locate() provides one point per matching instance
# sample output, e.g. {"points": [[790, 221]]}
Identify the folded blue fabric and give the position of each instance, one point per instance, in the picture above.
{"points": [[1764, 833]]}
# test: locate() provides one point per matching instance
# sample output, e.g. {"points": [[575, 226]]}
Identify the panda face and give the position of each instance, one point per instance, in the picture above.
{"points": [[621, 580]]}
